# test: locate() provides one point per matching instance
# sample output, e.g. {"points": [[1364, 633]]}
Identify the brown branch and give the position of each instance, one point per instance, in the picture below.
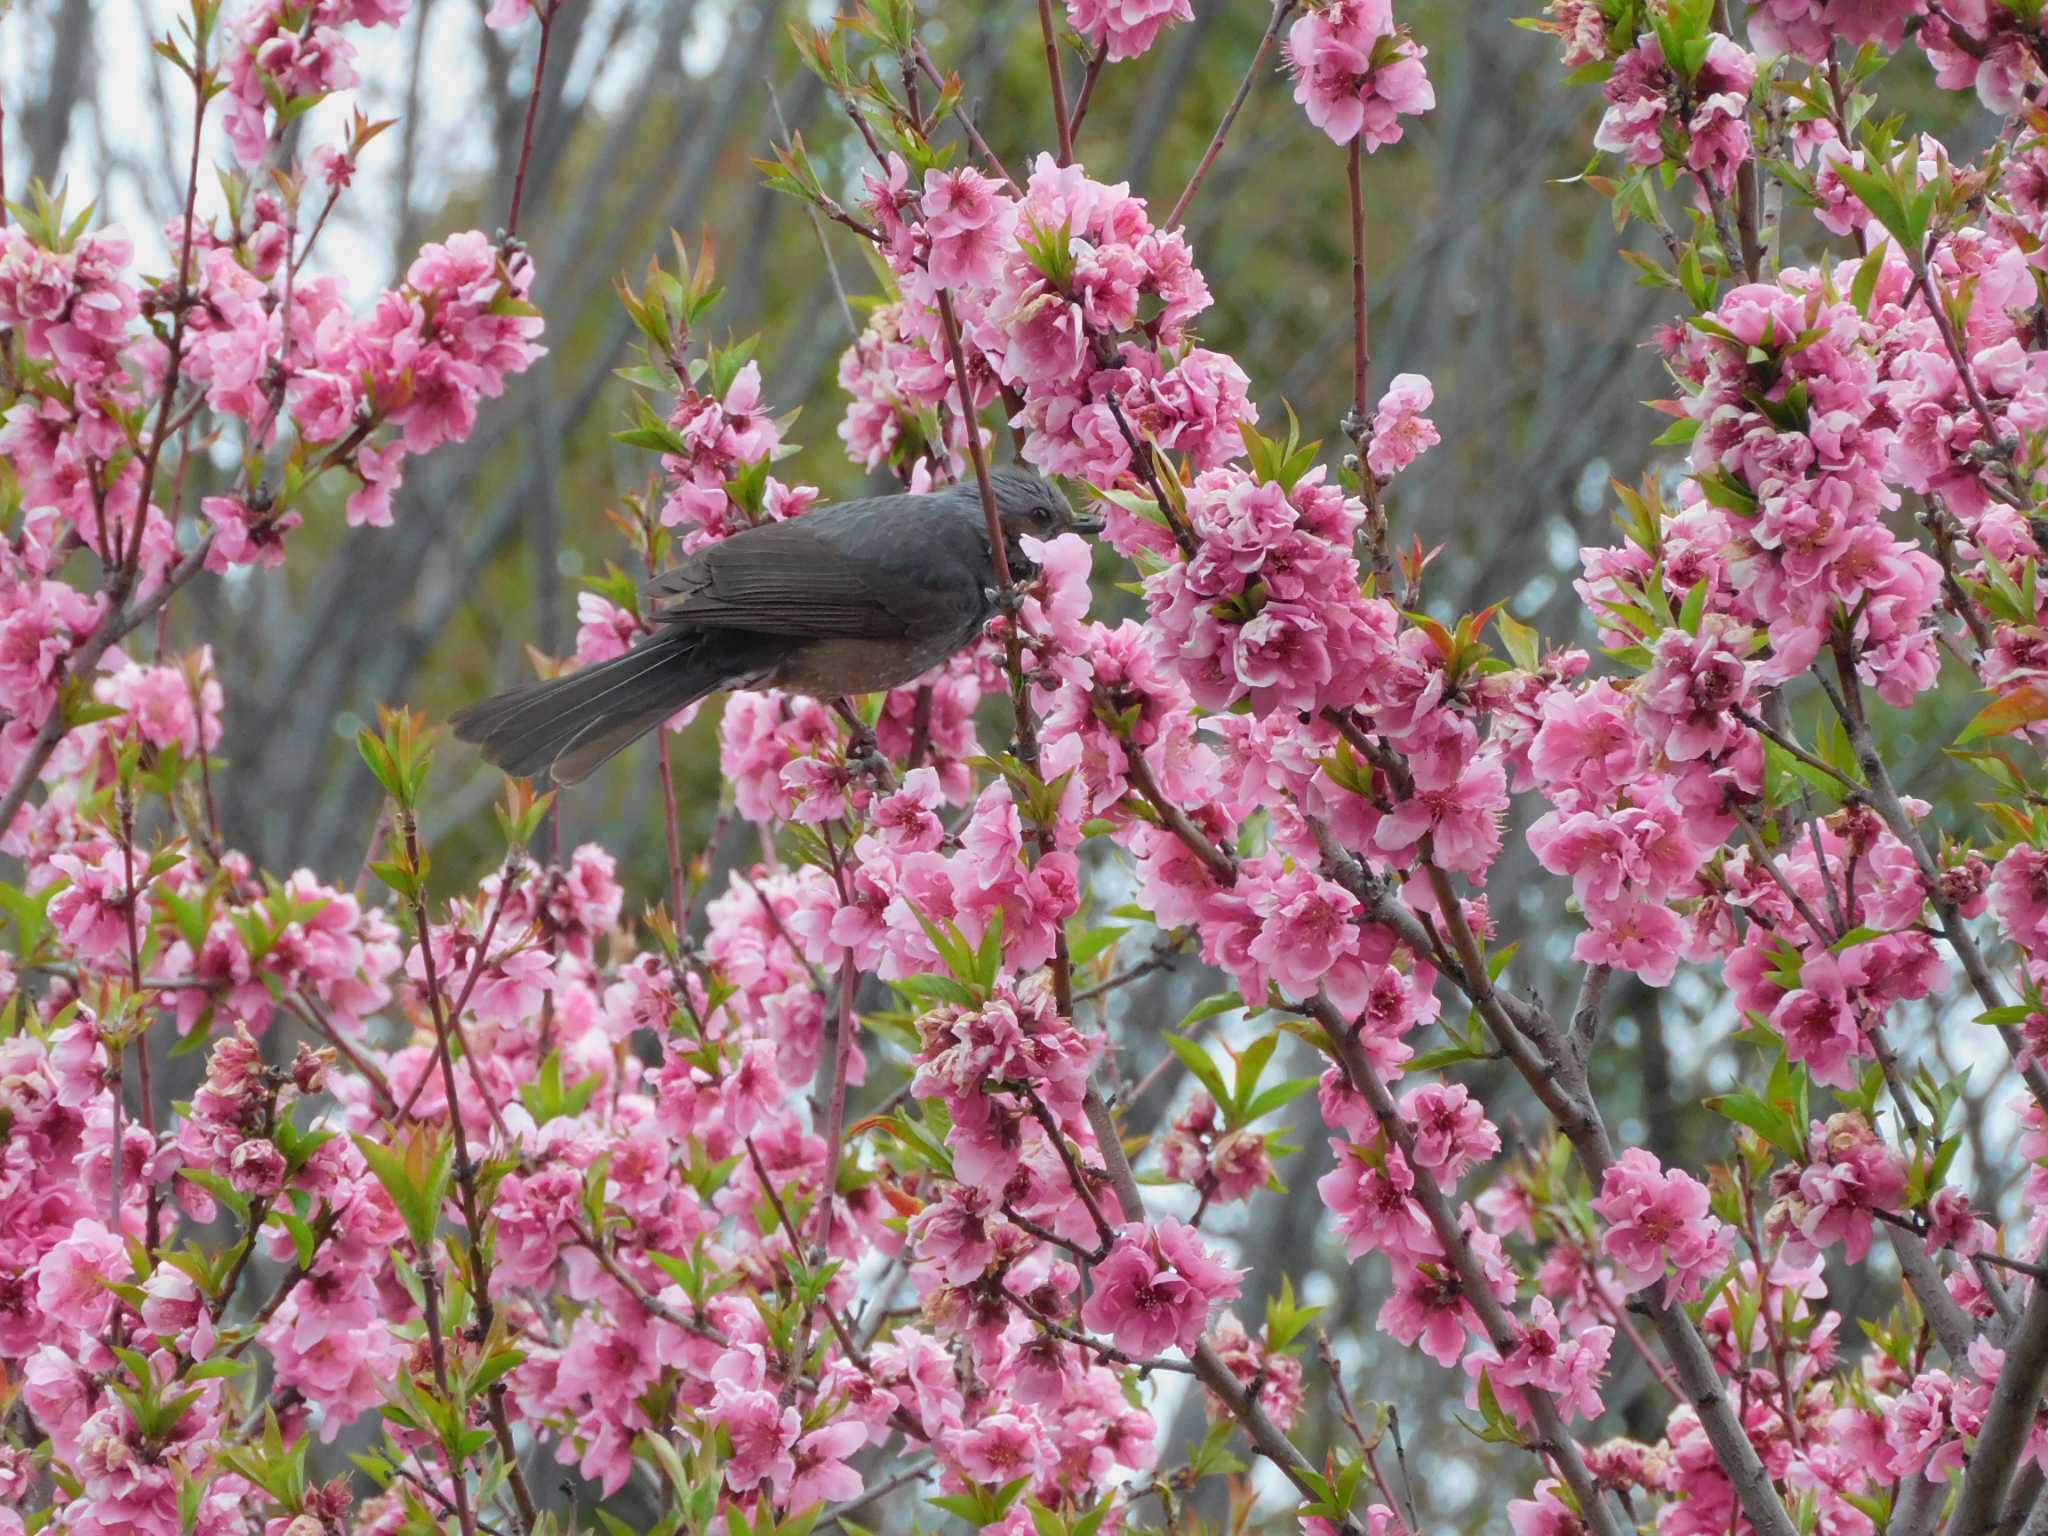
{"points": [[1164, 956], [145, 491], [1267, 1437], [970, 421], [2015, 1402], [1220, 862], [1534, 1044], [1144, 1365], [478, 966], [652, 1306], [1077, 1176], [1060, 121], [1493, 1317], [672, 831], [931, 73], [1281, 9], [1358, 424], [832, 1081], [1848, 705], [546, 12], [1768, 732], [1087, 96], [437, 1347]]}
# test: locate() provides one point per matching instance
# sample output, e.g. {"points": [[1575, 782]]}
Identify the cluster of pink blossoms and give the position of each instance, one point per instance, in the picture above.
{"points": [[1356, 73], [418, 363], [1124, 29], [896, 386], [282, 57], [1970, 44], [1711, 109], [1269, 606], [724, 434], [1068, 296]]}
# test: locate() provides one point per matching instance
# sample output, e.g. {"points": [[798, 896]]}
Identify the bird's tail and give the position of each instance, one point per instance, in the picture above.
{"points": [[565, 729]]}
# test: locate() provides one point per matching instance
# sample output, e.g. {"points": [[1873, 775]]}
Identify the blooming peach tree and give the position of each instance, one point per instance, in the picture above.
{"points": [[542, 1183]]}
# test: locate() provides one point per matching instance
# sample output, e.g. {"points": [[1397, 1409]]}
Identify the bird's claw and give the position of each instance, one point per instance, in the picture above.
{"points": [[863, 752], [1007, 600]]}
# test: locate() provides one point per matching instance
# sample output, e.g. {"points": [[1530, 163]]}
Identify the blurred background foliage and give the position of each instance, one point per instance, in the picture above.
{"points": [[1494, 271]]}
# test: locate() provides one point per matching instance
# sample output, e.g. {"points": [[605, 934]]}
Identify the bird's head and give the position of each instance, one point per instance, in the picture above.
{"points": [[1032, 506]]}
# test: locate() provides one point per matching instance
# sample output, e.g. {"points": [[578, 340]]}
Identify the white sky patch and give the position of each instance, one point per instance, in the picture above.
{"points": [[117, 152]]}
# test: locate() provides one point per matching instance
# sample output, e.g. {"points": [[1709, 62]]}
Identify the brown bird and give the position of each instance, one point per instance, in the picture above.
{"points": [[857, 597]]}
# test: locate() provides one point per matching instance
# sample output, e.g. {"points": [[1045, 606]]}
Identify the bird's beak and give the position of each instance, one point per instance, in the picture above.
{"points": [[1088, 523]]}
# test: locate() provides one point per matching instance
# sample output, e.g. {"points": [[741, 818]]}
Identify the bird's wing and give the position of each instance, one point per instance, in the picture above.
{"points": [[871, 569]]}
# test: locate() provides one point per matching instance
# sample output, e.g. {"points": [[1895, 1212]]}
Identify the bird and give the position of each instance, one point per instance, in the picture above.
{"points": [[856, 597]]}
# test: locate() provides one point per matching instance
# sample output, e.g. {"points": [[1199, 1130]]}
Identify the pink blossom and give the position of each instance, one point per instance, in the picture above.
{"points": [[764, 1434], [91, 911], [1306, 925], [1642, 937], [1371, 1192], [69, 1278], [822, 1475], [1820, 1020], [1659, 1227], [1156, 1289], [167, 707], [1449, 1129], [1355, 73], [1401, 434], [245, 535], [1428, 1309], [2018, 897], [1125, 28], [969, 220], [1851, 1175], [1461, 818], [998, 1449]]}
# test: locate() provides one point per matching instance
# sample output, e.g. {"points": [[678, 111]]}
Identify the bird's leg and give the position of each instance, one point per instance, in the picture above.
{"points": [[862, 751], [1007, 600]]}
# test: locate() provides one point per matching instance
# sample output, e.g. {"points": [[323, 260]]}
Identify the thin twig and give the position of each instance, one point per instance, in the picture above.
{"points": [[546, 12], [1087, 96], [1281, 9], [817, 228], [1060, 122], [989, 156]]}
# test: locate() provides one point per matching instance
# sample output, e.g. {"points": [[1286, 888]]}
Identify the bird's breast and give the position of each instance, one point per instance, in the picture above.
{"points": [[838, 668]]}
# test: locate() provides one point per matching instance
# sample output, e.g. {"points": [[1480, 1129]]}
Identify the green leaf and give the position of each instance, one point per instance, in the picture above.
{"points": [[416, 1177], [1524, 645], [217, 1185], [1209, 1007], [1198, 1062], [1285, 1318], [1090, 942], [1695, 607], [1680, 432], [1251, 1066], [378, 756], [1868, 271], [1276, 1096], [1773, 1124], [2011, 1014], [2025, 705]]}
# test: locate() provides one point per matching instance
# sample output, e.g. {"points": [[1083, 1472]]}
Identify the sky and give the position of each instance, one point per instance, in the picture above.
{"points": [[116, 152]]}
